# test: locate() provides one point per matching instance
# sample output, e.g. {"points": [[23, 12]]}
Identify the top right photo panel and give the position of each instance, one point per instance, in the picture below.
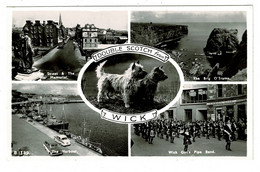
{"points": [[207, 45]]}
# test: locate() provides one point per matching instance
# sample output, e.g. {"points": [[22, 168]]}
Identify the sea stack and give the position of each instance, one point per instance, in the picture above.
{"points": [[221, 42]]}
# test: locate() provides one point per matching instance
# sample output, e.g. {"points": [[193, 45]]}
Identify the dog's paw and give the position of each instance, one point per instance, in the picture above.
{"points": [[127, 105]]}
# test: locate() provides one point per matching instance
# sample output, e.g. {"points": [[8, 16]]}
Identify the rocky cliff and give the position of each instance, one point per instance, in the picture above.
{"points": [[239, 59], [156, 34], [222, 41], [235, 66]]}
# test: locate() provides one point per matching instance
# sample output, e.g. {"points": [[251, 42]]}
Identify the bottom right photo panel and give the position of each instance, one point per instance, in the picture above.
{"points": [[207, 120]]}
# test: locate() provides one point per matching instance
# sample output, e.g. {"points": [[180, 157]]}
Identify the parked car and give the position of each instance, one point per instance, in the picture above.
{"points": [[38, 118], [65, 132], [61, 46], [62, 140], [52, 148], [22, 116]]}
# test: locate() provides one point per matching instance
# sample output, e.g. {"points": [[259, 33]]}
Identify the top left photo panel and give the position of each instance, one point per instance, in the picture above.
{"points": [[55, 45]]}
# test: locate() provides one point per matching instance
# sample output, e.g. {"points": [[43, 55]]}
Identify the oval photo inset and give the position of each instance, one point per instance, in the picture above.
{"points": [[130, 84]]}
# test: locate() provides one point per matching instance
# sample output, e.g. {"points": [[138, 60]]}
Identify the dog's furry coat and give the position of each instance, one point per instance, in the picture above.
{"points": [[124, 84]]}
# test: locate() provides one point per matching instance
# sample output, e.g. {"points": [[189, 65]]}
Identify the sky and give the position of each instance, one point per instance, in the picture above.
{"points": [[117, 20], [49, 88], [188, 16]]}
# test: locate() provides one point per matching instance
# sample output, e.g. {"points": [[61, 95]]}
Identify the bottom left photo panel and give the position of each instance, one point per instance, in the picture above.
{"points": [[51, 119]]}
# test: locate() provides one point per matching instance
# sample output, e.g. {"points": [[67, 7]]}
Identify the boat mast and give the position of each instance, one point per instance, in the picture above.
{"points": [[85, 131], [63, 117]]}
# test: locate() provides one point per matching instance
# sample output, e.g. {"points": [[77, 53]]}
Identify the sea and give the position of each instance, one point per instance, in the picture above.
{"points": [[191, 45], [112, 137], [199, 33]]}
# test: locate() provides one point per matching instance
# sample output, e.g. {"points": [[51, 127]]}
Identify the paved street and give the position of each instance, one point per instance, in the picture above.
{"points": [[60, 59], [32, 135], [202, 147], [67, 60]]}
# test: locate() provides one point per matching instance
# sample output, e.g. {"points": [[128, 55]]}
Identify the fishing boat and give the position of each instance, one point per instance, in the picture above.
{"points": [[55, 124], [84, 140]]}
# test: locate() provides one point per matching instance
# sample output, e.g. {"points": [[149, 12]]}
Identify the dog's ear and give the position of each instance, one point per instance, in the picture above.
{"points": [[133, 66], [157, 68], [138, 62]]}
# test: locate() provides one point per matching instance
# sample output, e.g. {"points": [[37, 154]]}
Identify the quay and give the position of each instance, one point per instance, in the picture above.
{"points": [[48, 102], [31, 135]]}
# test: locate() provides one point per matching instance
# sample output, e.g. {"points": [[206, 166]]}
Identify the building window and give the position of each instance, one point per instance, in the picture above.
{"points": [[188, 115], [220, 90], [194, 96], [239, 89], [170, 114]]}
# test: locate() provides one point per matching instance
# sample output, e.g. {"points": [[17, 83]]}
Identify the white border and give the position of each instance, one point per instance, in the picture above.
{"points": [[133, 163]]}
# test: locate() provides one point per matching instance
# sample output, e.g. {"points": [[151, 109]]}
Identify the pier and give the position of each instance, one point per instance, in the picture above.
{"points": [[31, 135]]}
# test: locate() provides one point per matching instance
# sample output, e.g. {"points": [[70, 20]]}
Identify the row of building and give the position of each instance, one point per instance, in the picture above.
{"points": [[210, 102], [89, 36], [18, 96], [46, 34]]}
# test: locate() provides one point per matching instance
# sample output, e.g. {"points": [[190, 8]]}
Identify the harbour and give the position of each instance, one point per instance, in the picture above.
{"points": [[67, 115]]}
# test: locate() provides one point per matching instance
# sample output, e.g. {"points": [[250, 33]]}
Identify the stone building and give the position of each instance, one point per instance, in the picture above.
{"points": [[191, 106], [46, 34], [51, 33], [229, 100], [38, 37], [89, 37], [210, 102]]}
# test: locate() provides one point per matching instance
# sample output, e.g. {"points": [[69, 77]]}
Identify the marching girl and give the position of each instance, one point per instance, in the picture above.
{"points": [[186, 139], [228, 133]]}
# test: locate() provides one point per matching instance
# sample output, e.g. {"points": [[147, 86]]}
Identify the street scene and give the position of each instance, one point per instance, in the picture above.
{"points": [[201, 147], [28, 139], [53, 120], [208, 120], [55, 46]]}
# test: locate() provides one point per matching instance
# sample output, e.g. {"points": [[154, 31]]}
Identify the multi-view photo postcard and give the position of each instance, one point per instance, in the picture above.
{"points": [[164, 82]]}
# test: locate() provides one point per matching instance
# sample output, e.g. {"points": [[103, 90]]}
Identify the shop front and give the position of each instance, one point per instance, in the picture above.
{"points": [[232, 109]]}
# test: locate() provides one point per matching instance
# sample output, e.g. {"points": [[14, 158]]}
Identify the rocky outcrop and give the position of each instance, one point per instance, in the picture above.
{"points": [[235, 66], [221, 42], [156, 34], [239, 59]]}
